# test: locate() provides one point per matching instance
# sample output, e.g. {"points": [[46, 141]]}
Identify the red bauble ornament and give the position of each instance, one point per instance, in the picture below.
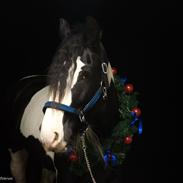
{"points": [[137, 111], [114, 70], [128, 88], [128, 140], [73, 156]]}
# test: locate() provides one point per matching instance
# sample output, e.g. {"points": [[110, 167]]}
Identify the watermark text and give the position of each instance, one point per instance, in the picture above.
{"points": [[5, 178]]}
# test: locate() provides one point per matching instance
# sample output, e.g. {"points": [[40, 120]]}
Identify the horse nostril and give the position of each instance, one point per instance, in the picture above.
{"points": [[56, 136], [40, 128]]}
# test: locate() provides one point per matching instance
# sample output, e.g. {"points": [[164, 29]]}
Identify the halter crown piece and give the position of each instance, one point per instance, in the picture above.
{"points": [[115, 147]]}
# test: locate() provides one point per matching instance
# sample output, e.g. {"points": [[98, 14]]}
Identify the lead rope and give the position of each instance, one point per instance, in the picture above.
{"points": [[86, 157], [56, 172]]}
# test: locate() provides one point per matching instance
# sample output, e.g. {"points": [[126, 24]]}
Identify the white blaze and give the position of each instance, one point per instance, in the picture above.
{"points": [[53, 119]]}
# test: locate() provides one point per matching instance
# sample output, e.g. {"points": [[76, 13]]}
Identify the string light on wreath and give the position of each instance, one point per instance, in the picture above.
{"points": [[136, 118], [110, 158]]}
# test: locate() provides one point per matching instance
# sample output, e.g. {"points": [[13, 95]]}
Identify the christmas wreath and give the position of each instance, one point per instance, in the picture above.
{"points": [[116, 147]]}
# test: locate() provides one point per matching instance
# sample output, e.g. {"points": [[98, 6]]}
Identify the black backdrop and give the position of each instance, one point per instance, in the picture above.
{"points": [[137, 37]]}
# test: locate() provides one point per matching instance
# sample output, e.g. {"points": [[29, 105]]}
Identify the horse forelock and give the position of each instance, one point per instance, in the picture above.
{"points": [[64, 59], [62, 83]]}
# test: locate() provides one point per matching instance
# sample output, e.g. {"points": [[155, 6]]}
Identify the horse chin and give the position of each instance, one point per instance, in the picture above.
{"points": [[59, 148]]}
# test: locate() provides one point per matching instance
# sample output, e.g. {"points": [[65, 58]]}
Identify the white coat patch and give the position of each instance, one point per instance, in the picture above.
{"points": [[33, 115]]}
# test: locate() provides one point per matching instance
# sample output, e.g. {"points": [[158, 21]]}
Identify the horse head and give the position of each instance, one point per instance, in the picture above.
{"points": [[81, 87]]}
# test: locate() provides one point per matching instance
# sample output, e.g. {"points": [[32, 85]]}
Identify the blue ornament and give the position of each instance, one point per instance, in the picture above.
{"points": [[135, 118], [110, 158], [123, 80], [140, 127]]}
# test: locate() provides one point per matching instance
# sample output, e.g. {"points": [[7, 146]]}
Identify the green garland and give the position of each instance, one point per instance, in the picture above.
{"points": [[116, 147]]}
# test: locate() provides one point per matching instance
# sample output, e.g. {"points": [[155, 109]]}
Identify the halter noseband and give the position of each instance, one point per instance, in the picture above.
{"points": [[102, 91]]}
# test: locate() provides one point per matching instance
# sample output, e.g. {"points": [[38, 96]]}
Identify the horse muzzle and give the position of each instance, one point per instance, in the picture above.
{"points": [[54, 144]]}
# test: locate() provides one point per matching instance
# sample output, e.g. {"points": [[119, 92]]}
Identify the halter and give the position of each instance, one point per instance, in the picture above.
{"points": [[101, 92]]}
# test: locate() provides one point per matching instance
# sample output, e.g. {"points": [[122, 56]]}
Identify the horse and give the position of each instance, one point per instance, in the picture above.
{"points": [[72, 108]]}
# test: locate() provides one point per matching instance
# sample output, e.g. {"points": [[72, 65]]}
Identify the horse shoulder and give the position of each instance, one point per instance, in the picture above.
{"points": [[33, 115]]}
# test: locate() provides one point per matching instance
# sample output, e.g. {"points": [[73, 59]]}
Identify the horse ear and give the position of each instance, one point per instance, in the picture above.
{"points": [[93, 33], [64, 28]]}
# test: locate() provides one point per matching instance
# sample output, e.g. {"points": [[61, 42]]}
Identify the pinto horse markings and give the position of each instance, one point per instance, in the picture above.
{"points": [[79, 68]]}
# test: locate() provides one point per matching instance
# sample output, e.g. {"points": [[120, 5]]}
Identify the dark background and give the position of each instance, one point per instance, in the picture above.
{"points": [[141, 41]]}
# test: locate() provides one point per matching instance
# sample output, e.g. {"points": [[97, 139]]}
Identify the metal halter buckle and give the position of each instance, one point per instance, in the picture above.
{"points": [[104, 89], [82, 117], [84, 124], [104, 68]]}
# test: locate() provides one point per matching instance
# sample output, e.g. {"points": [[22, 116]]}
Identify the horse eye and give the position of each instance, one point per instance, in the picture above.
{"points": [[83, 75]]}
